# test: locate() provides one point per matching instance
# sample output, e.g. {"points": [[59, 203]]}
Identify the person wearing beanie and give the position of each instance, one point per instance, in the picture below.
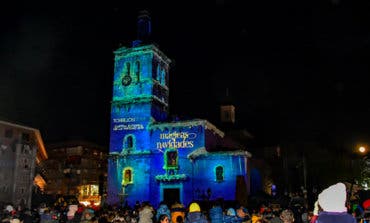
{"points": [[332, 201], [365, 218], [256, 218], [242, 214], [366, 205], [163, 209], [230, 216], [194, 207], [87, 215], [195, 215], [177, 212]]}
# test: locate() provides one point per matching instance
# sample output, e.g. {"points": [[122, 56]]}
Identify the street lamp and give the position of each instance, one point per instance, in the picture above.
{"points": [[123, 194], [358, 174], [364, 166], [362, 149]]}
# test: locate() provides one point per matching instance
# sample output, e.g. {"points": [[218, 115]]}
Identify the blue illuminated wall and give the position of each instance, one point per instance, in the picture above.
{"points": [[154, 160]]}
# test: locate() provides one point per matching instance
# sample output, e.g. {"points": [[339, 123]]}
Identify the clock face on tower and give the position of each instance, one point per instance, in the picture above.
{"points": [[126, 80]]}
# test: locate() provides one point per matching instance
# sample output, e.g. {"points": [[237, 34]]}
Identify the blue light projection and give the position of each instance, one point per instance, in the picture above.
{"points": [[153, 160]]}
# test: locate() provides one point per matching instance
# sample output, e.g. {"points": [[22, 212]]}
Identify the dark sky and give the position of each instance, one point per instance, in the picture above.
{"points": [[296, 70]]}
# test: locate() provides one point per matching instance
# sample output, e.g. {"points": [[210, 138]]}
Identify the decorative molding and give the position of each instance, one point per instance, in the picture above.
{"points": [[174, 177], [203, 152]]}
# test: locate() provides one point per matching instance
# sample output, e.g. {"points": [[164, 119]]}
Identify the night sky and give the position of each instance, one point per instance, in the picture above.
{"points": [[295, 70]]}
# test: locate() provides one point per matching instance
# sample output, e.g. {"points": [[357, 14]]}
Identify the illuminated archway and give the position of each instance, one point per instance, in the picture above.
{"points": [[127, 176]]}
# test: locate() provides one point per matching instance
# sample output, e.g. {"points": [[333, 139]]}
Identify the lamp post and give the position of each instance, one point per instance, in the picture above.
{"points": [[365, 166], [361, 168], [355, 174], [123, 194], [365, 172]]}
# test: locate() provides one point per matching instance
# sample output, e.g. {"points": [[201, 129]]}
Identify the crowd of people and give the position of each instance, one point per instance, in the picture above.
{"points": [[330, 207]]}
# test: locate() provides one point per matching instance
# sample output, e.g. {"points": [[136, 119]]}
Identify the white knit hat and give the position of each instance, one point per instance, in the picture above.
{"points": [[333, 198], [9, 208]]}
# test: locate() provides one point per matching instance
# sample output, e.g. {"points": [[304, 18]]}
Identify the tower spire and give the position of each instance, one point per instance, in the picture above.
{"points": [[144, 28], [227, 109]]}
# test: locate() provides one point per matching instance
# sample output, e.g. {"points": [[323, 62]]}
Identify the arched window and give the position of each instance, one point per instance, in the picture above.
{"points": [[154, 71], [127, 68], [127, 176], [171, 159], [159, 77], [137, 70], [219, 173], [129, 142], [163, 77]]}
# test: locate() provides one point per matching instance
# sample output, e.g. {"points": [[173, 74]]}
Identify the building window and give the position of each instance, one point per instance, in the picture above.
{"points": [[25, 137], [73, 160], [8, 133], [137, 70], [129, 142], [127, 68], [219, 173], [163, 77], [127, 177], [171, 159], [159, 77], [26, 149], [25, 163]]}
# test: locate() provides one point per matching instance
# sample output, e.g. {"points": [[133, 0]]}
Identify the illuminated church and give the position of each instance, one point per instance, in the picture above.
{"points": [[153, 159]]}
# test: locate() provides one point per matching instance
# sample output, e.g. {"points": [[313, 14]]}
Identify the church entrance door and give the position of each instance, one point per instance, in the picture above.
{"points": [[171, 195]]}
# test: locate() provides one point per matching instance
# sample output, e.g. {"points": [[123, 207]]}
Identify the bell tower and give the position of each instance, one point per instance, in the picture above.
{"points": [[227, 110], [140, 89]]}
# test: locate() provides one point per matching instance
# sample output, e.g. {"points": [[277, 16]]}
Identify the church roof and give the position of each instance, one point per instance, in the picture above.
{"points": [[73, 143], [203, 152]]}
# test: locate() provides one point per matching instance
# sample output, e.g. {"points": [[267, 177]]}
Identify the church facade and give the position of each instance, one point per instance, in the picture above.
{"points": [[153, 159]]}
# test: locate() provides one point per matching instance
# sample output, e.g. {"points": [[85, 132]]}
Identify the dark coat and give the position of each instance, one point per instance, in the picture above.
{"points": [[195, 217], [335, 217]]}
